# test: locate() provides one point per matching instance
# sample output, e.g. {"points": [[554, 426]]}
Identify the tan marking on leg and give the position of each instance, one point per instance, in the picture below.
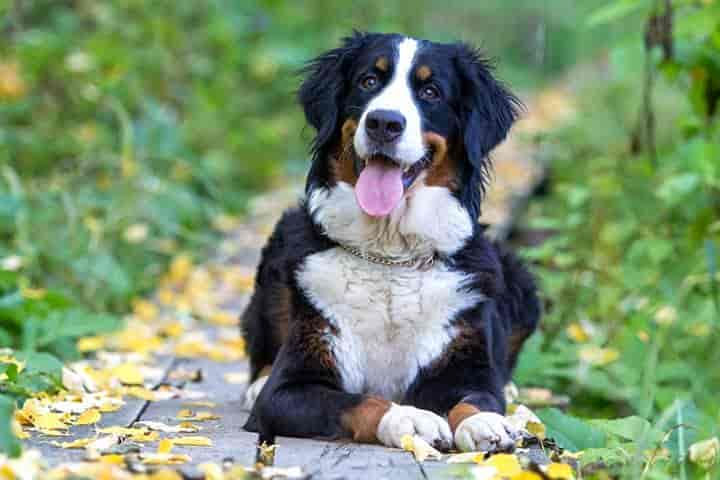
{"points": [[362, 421], [265, 371], [460, 412], [423, 72], [382, 64]]}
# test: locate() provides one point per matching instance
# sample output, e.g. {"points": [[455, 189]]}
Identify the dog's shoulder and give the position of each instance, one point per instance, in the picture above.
{"points": [[480, 258], [294, 238]]}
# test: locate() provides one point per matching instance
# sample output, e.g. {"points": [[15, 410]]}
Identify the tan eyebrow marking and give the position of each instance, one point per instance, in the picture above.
{"points": [[382, 64], [423, 72]]}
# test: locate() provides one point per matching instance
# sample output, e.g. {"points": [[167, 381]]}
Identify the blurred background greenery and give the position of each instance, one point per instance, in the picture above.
{"points": [[128, 126], [129, 129]]}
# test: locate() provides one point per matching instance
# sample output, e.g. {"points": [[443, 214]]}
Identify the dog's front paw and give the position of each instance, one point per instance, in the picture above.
{"points": [[487, 432], [402, 420]]}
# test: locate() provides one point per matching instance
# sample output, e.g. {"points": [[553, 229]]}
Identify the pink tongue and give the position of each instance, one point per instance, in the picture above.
{"points": [[379, 188]]}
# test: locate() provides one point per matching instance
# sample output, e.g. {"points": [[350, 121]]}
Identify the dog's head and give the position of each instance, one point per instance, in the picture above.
{"points": [[394, 114]]}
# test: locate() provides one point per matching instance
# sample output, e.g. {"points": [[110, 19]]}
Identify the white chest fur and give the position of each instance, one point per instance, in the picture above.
{"points": [[391, 321]]}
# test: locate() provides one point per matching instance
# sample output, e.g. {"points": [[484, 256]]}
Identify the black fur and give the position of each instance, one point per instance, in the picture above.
{"points": [[487, 111]]}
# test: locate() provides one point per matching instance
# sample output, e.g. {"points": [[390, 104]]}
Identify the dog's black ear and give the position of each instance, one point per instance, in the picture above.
{"points": [[324, 86], [487, 109]]}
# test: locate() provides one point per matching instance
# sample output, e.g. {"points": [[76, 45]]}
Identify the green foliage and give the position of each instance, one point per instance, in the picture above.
{"points": [[9, 444], [38, 320], [571, 433], [630, 265]]}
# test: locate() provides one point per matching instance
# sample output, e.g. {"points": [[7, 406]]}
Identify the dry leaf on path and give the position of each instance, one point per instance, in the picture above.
{"points": [[90, 417], [419, 447], [192, 441], [190, 416], [558, 471], [79, 443], [506, 464]]}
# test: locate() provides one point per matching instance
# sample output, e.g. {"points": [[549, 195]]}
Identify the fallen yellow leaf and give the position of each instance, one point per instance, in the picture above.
{"points": [[142, 393], [90, 344], [188, 427], [201, 403], [136, 434], [506, 464], [144, 310], [537, 429], [577, 333], [165, 446], [79, 443], [89, 417], [559, 471], [173, 329], [110, 404], [102, 443], [189, 415], [180, 268], [129, 374], [185, 413], [54, 433], [193, 441], [49, 421], [419, 447], [113, 459]]}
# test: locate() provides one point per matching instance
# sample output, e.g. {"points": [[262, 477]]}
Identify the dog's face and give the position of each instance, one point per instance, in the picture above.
{"points": [[394, 114]]}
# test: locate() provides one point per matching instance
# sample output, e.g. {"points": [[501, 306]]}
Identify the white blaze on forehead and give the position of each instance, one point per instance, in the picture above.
{"points": [[398, 95]]}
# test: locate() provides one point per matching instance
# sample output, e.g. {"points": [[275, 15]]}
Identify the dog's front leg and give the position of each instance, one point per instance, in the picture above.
{"points": [[467, 384], [304, 397], [302, 402]]}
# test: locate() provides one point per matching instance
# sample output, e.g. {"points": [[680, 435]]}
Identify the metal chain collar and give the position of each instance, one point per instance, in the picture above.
{"points": [[421, 264]]}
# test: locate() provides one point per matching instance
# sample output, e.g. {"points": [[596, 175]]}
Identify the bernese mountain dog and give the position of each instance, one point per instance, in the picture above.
{"points": [[380, 308]]}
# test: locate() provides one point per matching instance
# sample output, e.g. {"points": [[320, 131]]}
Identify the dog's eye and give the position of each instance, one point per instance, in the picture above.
{"points": [[369, 82], [429, 93]]}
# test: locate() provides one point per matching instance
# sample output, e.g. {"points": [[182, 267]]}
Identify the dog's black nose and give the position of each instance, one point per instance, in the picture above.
{"points": [[384, 125]]}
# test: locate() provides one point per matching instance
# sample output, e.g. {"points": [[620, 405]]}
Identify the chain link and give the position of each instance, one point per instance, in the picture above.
{"points": [[421, 264]]}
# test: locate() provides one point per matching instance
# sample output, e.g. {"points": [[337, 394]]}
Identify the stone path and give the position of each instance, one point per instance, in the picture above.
{"points": [[186, 345]]}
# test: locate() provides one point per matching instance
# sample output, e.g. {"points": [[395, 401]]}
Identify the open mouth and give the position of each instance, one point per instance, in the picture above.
{"points": [[382, 182]]}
